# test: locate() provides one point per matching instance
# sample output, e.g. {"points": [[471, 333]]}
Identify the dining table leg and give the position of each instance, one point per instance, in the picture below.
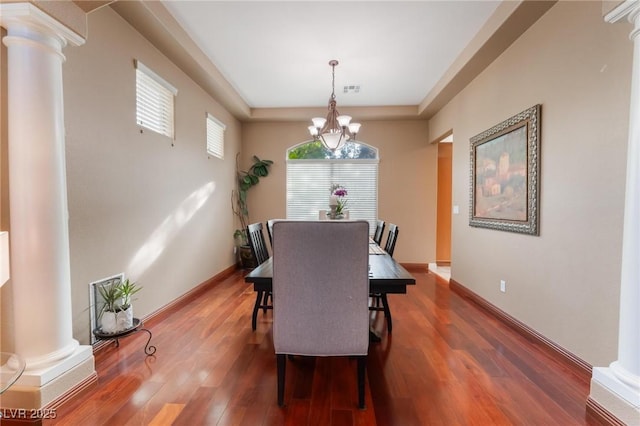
{"points": [[387, 311], [254, 317]]}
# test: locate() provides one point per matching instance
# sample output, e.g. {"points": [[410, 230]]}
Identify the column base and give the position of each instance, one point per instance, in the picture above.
{"points": [[618, 398], [39, 388], [42, 376]]}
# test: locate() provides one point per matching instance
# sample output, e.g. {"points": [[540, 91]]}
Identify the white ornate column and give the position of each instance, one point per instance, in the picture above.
{"points": [[617, 387], [40, 265]]}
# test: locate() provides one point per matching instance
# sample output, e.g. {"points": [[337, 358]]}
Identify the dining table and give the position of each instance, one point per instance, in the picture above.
{"points": [[386, 276]]}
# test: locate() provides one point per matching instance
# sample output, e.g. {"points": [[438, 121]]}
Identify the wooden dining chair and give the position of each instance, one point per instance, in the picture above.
{"points": [[377, 235], [261, 254], [379, 301], [270, 223], [320, 290], [392, 237]]}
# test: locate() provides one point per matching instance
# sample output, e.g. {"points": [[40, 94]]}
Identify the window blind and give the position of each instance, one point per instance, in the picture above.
{"points": [[309, 183], [154, 101], [215, 137]]}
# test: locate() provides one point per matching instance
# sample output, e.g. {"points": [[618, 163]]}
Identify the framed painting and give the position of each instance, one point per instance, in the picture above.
{"points": [[505, 163]]}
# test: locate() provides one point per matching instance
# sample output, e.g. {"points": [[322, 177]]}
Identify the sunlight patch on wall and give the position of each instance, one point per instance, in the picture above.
{"points": [[168, 229]]}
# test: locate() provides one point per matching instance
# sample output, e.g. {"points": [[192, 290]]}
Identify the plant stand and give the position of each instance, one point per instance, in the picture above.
{"points": [[137, 326]]}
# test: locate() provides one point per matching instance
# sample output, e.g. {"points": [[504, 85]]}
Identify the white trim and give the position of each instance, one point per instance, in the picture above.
{"points": [[26, 14], [621, 11], [75, 355], [220, 123], [148, 71], [334, 160], [607, 378]]}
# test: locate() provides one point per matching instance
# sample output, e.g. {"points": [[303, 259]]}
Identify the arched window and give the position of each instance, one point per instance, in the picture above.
{"points": [[312, 170]]}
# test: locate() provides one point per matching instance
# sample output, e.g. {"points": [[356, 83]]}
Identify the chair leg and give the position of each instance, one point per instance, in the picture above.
{"points": [[281, 366], [265, 301], [362, 362], [254, 316], [387, 311], [375, 300]]}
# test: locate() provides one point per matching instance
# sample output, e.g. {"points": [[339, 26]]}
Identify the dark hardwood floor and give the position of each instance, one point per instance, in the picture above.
{"points": [[446, 363]]}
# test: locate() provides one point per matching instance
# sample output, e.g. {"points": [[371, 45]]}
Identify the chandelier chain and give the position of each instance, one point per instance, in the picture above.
{"points": [[333, 81]]}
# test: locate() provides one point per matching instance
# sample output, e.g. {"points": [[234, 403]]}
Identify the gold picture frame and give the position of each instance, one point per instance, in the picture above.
{"points": [[504, 171]]}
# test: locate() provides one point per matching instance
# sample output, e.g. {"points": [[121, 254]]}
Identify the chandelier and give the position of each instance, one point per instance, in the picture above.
{"points": [[336, 129]]}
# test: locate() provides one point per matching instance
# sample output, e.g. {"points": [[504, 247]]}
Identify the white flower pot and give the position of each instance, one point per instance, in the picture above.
{"points": [[115, 322], [124, 319], [108, 322]]}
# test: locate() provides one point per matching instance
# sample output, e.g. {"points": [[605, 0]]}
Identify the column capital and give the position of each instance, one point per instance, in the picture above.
{"points": [[16, 15], [627, 9]]}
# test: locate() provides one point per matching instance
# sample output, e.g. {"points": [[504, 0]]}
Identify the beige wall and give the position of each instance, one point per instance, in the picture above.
{"points": [[407, 177], [565, 282], [159, 213], [609, 5]]}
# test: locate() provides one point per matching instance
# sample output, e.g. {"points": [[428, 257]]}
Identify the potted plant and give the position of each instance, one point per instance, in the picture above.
{"points": [[125, 316], [116, 314], [245, 180]]}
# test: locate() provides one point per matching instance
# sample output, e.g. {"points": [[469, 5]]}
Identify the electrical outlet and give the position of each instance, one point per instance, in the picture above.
{"points": [[456, 209], [503, 286]]}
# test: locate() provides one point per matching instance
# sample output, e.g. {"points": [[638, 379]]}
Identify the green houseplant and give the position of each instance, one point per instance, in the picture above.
{"points": [[127, 290], [116, 313], [245, 180]]}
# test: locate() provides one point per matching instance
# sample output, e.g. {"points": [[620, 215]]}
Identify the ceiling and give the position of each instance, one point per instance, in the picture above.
{"points": [[276, 54], [268, 60]]}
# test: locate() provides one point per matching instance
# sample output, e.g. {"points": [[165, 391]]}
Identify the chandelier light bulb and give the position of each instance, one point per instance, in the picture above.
{"points": [[318, 122], [344, 120]]}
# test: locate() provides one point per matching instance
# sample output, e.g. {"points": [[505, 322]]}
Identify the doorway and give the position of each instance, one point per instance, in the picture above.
{"points": [[444, 202]]}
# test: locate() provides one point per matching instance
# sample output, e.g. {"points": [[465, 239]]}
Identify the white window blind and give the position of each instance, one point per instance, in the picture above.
{"points": [[309, 183], [215, 137], [154, 101]]}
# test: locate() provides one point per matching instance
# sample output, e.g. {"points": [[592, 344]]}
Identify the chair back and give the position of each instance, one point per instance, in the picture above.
{"points": [[270, 223], [391, 239], [321, 288], [377, 236], [257, 243]]}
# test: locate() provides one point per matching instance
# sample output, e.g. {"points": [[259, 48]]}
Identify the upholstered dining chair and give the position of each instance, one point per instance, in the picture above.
{"points": [[379, 300], [261, 254], [320, 291], [377, 235]]}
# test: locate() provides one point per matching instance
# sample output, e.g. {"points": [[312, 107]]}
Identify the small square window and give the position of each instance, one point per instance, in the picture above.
{"points": [[215, 136], [154, 101]]}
